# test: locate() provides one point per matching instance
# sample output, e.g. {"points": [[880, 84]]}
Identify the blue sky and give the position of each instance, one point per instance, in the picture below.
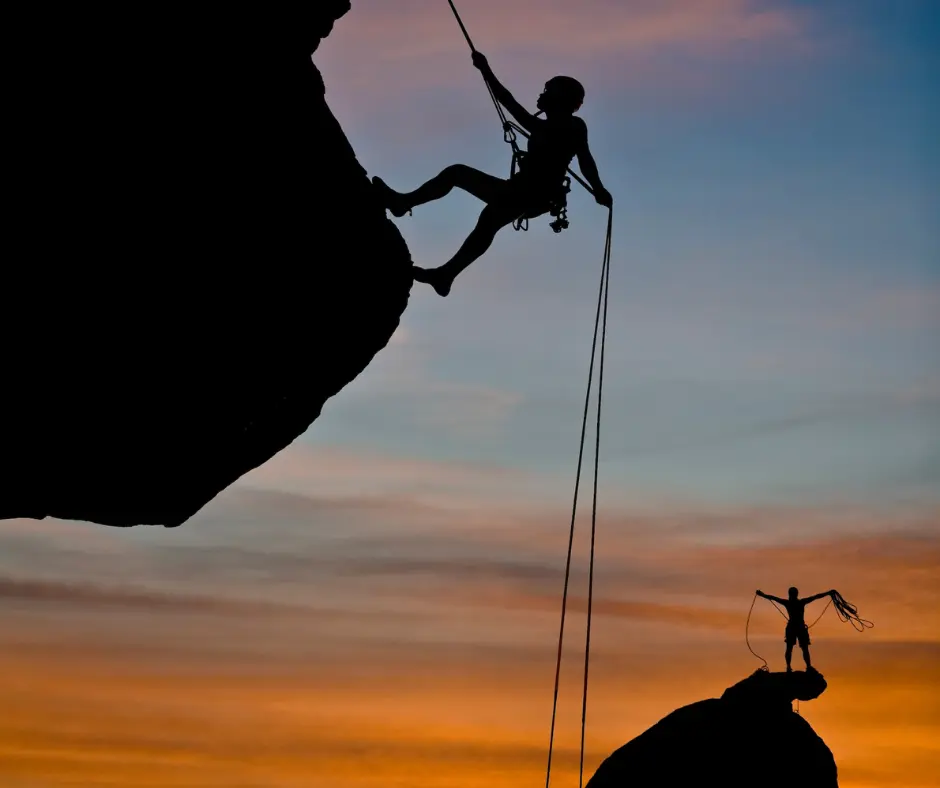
{"points": [[776, 276]]}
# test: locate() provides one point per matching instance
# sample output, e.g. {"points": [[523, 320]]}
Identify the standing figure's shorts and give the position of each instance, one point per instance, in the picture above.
{"points": [[797, 633]]}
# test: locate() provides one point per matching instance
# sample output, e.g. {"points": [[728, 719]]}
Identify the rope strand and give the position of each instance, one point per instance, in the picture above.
{"points": [[821, 614], [848, 612], [605, 280], [509, 135], [462, 28], [747, 639], [577, 485]]}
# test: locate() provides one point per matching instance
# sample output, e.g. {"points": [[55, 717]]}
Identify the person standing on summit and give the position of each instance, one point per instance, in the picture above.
{"points": [[796, 631], [554, 141]]}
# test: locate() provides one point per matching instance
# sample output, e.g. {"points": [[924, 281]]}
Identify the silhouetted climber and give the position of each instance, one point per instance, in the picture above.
{"points": [[534, 190], [796, 631]]}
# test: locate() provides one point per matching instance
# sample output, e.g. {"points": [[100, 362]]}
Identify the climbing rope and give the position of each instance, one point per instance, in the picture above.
{"points": [[600, 321], [509, 128], [847, 612], [597, 451], [747, 639], [510, 131], [816, 621], [777, 608]]}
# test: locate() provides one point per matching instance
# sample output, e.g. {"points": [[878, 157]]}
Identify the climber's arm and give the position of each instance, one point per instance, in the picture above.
{"points": [[814, 597], [526, 119], [589, 169], [772, 598]]}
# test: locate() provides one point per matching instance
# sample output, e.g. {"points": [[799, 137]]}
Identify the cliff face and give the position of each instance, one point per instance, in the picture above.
{"points": [[197, 263], [747, 738]]}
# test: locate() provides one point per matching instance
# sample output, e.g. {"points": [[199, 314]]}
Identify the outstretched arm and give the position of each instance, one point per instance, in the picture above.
{"points": [[772, 598], [814, 597], [526, 119], [589, 169]]}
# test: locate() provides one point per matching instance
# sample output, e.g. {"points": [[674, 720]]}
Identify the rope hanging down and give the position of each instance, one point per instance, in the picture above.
{"points": [[510, 130], [600, 320], [747, 627]]}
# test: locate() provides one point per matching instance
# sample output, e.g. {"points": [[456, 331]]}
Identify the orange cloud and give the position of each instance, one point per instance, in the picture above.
{"points": [[444, 716]]}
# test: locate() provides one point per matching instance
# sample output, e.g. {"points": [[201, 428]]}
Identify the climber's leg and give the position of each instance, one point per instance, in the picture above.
{"points": [[492, 219], [806, 658], [804, 646], [790, 638], [481, 185]]}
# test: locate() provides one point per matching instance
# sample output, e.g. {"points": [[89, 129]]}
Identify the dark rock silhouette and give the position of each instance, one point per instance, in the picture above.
{"points": [[197, 260], [749, 737]]}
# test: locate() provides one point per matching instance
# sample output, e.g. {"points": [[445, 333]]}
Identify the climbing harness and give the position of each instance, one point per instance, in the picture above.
{"points": [[558, 206]]}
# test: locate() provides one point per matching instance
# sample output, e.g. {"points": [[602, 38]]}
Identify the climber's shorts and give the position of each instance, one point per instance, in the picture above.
{"points": [[528, 197], [797, 634]]}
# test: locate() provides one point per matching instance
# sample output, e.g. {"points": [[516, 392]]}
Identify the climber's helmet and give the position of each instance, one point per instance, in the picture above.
{"points": [[562, 94]]}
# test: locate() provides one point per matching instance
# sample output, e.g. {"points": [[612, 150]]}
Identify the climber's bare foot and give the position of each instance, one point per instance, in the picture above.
{"points": [[390, 198], [439, 280]]}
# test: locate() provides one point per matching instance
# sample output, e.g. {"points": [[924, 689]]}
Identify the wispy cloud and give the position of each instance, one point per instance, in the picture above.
{"points": [[414, 29], [419, 47], [89, 596], [333, 472], [404, 381]]}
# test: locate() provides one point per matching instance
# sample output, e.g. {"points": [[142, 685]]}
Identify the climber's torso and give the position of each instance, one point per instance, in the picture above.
{"points": [[795, 610], [553, 143]]}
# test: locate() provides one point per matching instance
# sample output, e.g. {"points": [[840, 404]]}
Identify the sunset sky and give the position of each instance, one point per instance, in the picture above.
{"points": [[379, 604]]}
